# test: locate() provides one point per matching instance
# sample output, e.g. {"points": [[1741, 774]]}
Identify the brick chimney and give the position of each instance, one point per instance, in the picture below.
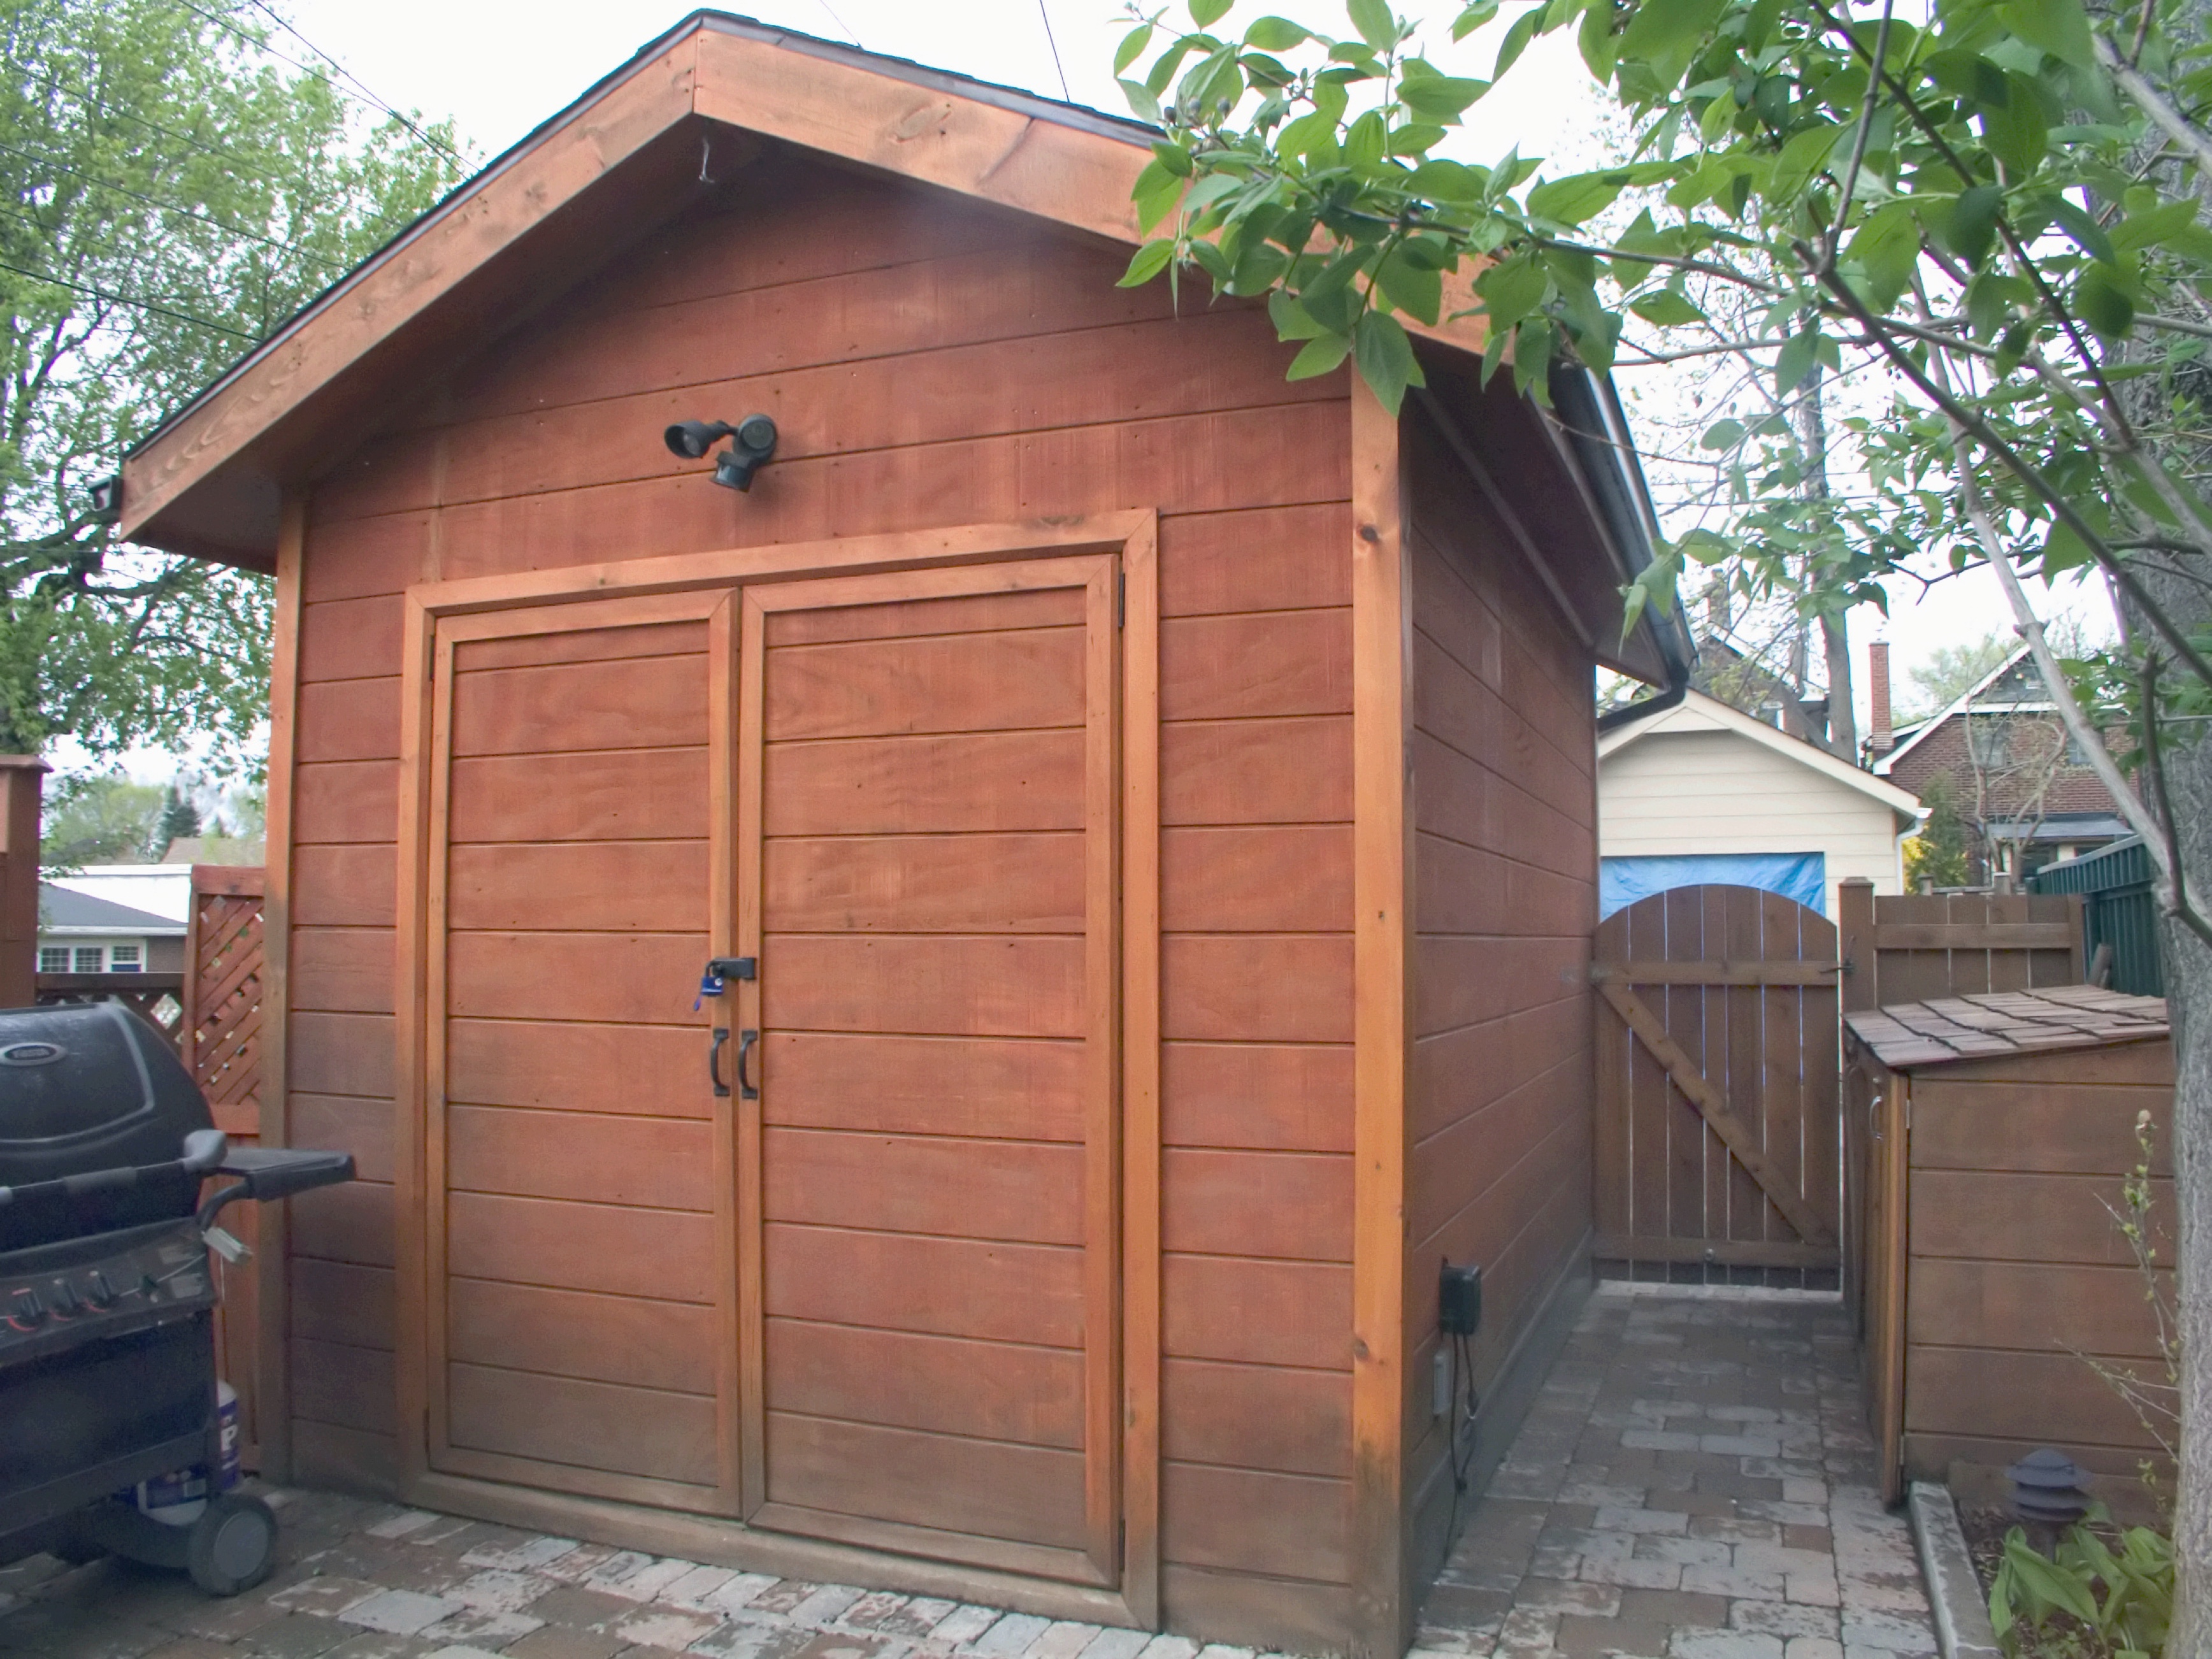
{"points": [[1880, 741]]}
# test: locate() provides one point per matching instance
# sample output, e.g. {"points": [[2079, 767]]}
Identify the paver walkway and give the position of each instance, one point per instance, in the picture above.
{"points": [[1695, 1482], [362, 1580]]}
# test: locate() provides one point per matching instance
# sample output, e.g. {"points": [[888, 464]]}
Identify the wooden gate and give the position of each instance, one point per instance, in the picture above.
{"points": [[1719, 1071]]}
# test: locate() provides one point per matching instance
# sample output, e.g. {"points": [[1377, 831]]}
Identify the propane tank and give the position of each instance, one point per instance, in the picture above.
{"points": [[179, 1498]]}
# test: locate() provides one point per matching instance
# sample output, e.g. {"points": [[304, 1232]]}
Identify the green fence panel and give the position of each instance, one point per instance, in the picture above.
{"points": [[2117, 909]]}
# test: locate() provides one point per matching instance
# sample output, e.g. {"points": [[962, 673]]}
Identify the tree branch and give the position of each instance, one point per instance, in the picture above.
{"points": [[2177, 896], [2153, 103]]}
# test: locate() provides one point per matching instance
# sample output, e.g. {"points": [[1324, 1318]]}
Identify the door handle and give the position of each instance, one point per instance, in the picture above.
{"points": [[746, 1090], [714, 1063]]}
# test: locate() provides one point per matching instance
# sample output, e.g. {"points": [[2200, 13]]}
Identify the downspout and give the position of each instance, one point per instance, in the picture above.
{"points": [[1677, 688]]}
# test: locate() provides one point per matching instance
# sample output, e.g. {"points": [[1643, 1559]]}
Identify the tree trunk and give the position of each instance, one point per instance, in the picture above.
{"points": [[1811, 423], [2187, 766]]}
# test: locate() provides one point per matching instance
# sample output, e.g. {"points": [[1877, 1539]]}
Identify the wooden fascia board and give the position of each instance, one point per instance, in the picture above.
{"points": [[398, 285], [936, 136]]}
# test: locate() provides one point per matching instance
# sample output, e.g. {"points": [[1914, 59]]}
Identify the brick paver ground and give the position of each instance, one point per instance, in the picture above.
{"points": [[362, 1580], [1695, 1482]]}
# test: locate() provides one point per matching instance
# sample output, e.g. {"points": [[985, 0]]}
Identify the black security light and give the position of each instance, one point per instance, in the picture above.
{"points": [[752, 442], [107, 499]]}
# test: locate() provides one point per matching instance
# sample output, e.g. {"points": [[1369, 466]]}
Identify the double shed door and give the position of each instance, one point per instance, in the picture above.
{"points": [[873, 1294]]}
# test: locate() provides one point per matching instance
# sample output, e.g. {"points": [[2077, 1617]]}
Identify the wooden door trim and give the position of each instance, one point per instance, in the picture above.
{"points": [[272, 1268], [430, 641], [1120, 1379], [516, 604], [1382, 866], [782, 562]]}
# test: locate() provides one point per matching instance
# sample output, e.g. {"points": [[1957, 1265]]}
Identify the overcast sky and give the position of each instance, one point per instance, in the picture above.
{"points": [[500, 68]]}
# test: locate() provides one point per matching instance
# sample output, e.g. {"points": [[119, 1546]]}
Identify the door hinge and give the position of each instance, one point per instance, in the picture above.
{"points": [[1121, 600]]}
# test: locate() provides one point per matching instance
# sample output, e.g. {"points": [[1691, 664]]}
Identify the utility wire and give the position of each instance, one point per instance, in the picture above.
{"points": [[169, 207], [839, 22], [128, 299], [1066, 95], [291, 29], [364, 96]]}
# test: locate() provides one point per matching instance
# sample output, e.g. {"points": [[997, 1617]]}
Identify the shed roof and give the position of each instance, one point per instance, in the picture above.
{"points": [[1907, 1035]]}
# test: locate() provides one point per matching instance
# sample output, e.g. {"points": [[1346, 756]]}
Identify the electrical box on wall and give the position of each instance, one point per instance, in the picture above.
{"points": [[1459, 1299]]}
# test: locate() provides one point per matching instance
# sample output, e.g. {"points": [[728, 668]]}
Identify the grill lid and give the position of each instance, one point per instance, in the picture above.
{"points": [[86, 1087]]}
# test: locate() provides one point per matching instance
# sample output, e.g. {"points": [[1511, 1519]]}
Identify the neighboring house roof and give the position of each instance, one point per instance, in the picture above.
{"points": [[63, 912], [159, 889], [2002, 1022], [1971, 697], [682, 116], [1698, 712]]}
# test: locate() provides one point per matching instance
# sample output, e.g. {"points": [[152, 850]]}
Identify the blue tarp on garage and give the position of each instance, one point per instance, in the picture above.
{"points": [[1800, 876]]}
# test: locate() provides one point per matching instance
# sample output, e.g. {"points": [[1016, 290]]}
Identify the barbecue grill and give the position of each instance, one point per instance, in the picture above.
{"points": [[108, 1394]]}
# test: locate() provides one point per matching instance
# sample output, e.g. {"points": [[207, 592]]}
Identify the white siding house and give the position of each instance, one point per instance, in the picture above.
{"points": [[1702, 781]]}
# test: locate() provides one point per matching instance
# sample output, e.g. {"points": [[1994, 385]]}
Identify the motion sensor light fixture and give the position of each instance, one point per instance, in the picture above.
{"points": [[752, 442]]}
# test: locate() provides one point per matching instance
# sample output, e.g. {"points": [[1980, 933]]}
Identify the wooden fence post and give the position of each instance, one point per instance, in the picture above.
{"points": [[22, 779], [1855, 943]]}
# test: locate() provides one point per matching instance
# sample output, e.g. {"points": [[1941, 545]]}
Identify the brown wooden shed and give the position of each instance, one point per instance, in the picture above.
{"points": [[1158, 797], [1995, 1133]]}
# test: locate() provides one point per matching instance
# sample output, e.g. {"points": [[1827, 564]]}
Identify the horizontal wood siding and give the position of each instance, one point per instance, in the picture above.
{"points": [[1504, 816], [2016, 1272], [929, 362]]}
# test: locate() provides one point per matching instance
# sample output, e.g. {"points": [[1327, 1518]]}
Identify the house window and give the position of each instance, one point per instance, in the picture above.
{"points": [[1989, 742], [2077, 753], [123, 959], [89, 957], [53, 959]]}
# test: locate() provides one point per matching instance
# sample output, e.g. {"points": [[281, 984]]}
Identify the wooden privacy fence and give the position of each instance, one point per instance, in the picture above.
{"points": [[158, 998], [219, 1039], [1719, 1127]]}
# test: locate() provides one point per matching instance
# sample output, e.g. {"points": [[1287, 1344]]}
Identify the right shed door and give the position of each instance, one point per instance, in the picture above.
{"points": [[928, 872]]}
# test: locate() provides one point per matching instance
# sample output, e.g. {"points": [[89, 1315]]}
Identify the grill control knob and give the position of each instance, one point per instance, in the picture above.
{"points": [[28, 1309], [149, 1286], [98, 1290], [67, 1303]]}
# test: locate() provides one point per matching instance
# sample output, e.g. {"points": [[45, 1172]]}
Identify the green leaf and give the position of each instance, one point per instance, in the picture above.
{"points": [[1971, 224], [1472, 18], [2017, 132], [1447, 181], [2153, 225], [1413, 287], [1291, 320], [1132, 48], [1149, 262], [2088, 235], [2041, 1579], [1884, 249], [1722, 435], [1577, 197], [1372, 18], [1795, 361], [1439, 97], [1154, 193], [1206, 13], [1320, 355], [1174, 157], [1386, 358], [1664, 35], [1517, 40], [1668, 309], [1801, 158], [2102, 299], [2060, 28], [1533, 342], [1511, 290], [1274, 34]]}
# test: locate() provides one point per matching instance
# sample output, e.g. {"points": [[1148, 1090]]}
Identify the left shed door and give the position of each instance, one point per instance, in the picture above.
{"points": [[579, 1232]]}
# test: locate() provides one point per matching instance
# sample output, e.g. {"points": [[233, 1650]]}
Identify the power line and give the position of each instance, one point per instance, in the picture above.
{"points": [[1066, 95], [364, 96], [128, 299], [282, 23], [169, 207]]}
